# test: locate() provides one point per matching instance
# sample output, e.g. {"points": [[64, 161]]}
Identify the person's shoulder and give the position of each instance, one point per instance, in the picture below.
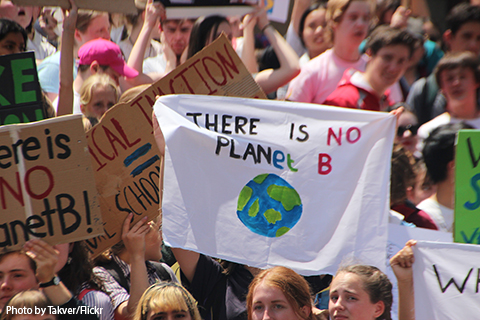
{"points": [[52, 60]]}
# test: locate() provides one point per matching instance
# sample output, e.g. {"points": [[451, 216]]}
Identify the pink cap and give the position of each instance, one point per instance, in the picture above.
{"points": [[106, 53]]}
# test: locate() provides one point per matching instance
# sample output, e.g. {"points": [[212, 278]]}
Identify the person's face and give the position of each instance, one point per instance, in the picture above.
{"points": [[350, 301], [16, 275], [407, 131], [12, 43], [467, 38], [153, 242], [353, 26], [21, 15], [458, 84], [169, 315], [34, 317], [269, 302], [236, 24], [222, 27], [103, 98], [388, 65], [313, 32], [99, 27], [177, 34]]}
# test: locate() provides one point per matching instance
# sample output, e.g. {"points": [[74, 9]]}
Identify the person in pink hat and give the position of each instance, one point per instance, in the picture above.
{"points": [[100, 56]]}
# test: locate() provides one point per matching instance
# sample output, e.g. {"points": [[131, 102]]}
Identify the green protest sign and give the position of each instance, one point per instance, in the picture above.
{"points": [[467, 187], [20, 93]]}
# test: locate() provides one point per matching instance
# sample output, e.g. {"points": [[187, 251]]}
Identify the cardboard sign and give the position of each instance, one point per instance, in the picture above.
{"points": [[280, 178], [47, 189], [467, 190], [125, 158], [122, 6], [20, 93]]}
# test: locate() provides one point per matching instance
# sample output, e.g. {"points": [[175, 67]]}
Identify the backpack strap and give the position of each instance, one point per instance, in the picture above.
{"points": [[83, 293], [116, 272], [162, 273]]}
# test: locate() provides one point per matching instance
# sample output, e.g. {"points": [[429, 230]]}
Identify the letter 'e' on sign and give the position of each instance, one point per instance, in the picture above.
{"points": [[47, 187]]}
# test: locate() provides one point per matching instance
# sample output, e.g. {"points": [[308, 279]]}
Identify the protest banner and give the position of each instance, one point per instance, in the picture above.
{"points": [[298, 185], [446, 280], [121, 6], [20, 93], [47, 189], [398, 236], [125, 158], [277, 10], [467, 191], [180, 9]]}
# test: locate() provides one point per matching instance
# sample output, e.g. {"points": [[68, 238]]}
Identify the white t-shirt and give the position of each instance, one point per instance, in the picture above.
{"points": [[40, 46], [442, 215]]}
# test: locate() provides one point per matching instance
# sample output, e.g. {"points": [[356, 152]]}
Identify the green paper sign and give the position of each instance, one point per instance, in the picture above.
{"points": [[467, 187]]}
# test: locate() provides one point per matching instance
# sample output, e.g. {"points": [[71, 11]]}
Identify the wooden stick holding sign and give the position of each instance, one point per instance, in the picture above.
{"points": [[125, 157], [46, 184]]}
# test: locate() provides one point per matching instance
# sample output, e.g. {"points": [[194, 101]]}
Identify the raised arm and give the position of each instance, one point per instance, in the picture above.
{"points": [[188, 261], [65, 93], [134, 240], [401, 264], [271, 79], [248, 49]]}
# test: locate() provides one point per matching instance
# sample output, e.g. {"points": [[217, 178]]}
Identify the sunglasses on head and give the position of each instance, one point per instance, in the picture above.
{"points": [[413, 128]]}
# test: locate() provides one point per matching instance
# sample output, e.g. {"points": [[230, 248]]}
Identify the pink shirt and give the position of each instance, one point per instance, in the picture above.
{"points": [[320, 77]]}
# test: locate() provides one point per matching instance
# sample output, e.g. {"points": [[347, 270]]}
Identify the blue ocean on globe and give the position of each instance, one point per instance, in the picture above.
{"points": [[269, 206]]}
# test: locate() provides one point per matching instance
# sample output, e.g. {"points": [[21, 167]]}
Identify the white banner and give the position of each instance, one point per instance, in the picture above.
{"points": [[446, 280], [397, 237], [276, 183]]}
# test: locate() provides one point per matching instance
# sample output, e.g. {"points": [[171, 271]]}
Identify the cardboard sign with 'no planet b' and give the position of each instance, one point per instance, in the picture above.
{"points": [[47, 188]]}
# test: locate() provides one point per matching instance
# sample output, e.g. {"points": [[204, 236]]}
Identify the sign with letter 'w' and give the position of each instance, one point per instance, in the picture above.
{"points": [[268, 183]]}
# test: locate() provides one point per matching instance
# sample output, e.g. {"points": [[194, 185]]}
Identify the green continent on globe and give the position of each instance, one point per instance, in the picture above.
{"points": [[244, 197], [281, 231], [260, 178], [254, 208], [287, 196], [272, 216]]}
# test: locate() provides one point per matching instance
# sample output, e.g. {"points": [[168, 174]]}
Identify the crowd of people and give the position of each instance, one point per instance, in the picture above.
{"points": [[383, 57]]}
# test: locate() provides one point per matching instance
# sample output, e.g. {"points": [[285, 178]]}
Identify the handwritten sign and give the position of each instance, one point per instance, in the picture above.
{"points": [[445, 278], [467, 188], [20, 93], [125, 158], [280, 178], [47, 189], [122, 6]]}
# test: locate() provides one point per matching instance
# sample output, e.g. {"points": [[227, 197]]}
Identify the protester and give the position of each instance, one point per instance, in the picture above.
{"points": [[12, 40], [458, 75], [347, 23], [166, 301], [132, 266], [407, 128], [33, 299], [17, 274], [279, 293], [462, 34], [12, 37], [439, 156], [26, 16], [208, 29], [403, 182], [98, 94], [390, 50], [89, 25]]}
